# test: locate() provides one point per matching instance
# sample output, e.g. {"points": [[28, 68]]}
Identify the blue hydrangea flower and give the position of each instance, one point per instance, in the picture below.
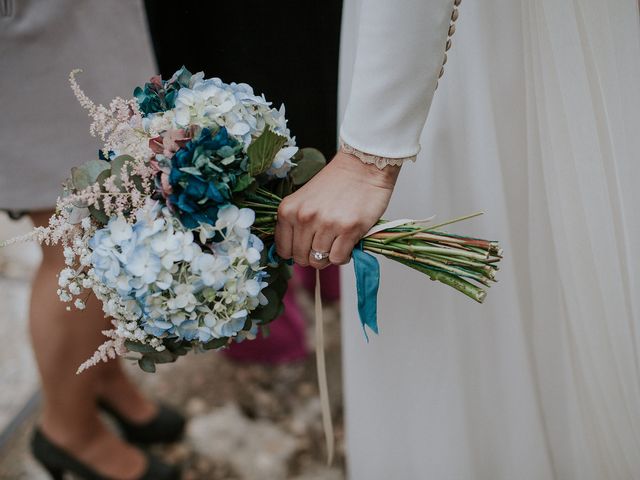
{"points": [[160, 95], [203, 175]]}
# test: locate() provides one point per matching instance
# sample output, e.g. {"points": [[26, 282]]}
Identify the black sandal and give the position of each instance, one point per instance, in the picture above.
{"points": [[166, 427], [58, 462]]}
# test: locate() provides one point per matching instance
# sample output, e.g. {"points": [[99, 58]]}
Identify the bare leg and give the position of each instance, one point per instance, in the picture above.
{"points": [[122, 394], [62, 340]]}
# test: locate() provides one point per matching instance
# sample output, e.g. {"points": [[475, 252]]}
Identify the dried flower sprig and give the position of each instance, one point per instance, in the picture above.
{"points": [[119, 126]]}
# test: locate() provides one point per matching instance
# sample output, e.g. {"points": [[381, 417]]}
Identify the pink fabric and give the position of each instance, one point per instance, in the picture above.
{"points": [[329, 280]]}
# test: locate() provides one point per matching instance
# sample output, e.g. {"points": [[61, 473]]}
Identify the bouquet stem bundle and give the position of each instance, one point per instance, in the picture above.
{"points": [[465, 263]]}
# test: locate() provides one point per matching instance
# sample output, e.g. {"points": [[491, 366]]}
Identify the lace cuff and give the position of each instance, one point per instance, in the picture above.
{"points": [[379, 162]]}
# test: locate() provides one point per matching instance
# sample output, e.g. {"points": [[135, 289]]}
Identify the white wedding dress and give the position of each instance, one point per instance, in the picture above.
{"points": [[537, 122]]}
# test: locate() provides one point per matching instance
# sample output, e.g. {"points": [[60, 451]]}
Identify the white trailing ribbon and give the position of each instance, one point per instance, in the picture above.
{"points": [[323, 387]]}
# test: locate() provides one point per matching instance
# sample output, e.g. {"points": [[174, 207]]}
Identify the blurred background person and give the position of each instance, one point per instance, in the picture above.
{"points": [[43, 133]]}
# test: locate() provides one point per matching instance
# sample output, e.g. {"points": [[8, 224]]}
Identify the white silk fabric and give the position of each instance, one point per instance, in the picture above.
{"points": [[537, 122]]}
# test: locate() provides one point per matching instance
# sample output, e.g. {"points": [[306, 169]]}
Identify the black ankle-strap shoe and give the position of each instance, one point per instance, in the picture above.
{"points": [[58, 462], [166, 427]]}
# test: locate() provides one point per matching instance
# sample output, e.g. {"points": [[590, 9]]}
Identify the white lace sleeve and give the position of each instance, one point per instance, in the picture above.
{"points": [[379, 162], [400, 51]]}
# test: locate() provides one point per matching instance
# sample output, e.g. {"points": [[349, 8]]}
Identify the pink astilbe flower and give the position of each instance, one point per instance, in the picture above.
{"points": [[119, 125], [109, 350]]}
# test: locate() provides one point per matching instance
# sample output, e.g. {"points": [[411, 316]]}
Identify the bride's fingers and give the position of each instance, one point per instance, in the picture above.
{"points": [[284, 239], [322, 242], [341, 249], [302, 237]]}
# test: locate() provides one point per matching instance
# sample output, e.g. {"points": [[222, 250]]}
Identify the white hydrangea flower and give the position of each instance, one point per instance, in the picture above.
{"points": [[211, 103]]}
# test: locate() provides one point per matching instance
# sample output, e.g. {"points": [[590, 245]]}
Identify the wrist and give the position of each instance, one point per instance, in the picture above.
{"points": [[384, 177], [378, 160]]}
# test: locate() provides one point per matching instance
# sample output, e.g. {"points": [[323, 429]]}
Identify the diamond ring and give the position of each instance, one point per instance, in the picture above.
{"points": [[319, 256]]}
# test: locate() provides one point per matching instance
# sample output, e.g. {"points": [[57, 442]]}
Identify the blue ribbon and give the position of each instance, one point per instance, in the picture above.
{"points": [[273, 259], [367, 271]]}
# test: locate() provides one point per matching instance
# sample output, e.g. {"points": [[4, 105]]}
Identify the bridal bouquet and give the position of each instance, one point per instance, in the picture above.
{"points": [[172, 227]]}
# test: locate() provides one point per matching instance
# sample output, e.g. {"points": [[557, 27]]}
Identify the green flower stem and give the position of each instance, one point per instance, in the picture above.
{"points": [[258, 206], [429, 227], [268, 220], [447, 259], [441, 238], [455, 220], [482, 267], [445, 251], [400, 236], [268, 194], [444, 257], [460, 284], [425, 261]]}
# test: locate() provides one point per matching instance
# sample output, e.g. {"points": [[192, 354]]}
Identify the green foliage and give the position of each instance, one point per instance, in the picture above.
{"points": [[119, 165], [102, 177], [243, 183], [216, 343], [263, 150], [177, 347], [151, 357], [278, 281], [98, 215], [138, 347], [86, 174], [96, 172], [283, 186], [147, 364], [310, 162]]}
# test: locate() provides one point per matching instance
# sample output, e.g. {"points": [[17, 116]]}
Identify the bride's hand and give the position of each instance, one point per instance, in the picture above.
{"points": [[333, 211]]}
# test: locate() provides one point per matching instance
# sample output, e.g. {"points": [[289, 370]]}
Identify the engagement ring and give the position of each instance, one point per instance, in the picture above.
{"points": [[319, 256]]}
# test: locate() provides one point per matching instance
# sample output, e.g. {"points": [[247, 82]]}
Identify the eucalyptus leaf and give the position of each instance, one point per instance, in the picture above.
{"points": [[280, 286], [87, 173], [179, 350], [308, 166], [285, 271], [77, 214], [215, 343], [279, 312], [147, 364], [78, 203], [272, 273], [119, 165], [263, 150], [165, 356], [177, 347], [98, 215], [272, 309], [102, 178], [243, 182], [138, 347], [283, 187]]}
